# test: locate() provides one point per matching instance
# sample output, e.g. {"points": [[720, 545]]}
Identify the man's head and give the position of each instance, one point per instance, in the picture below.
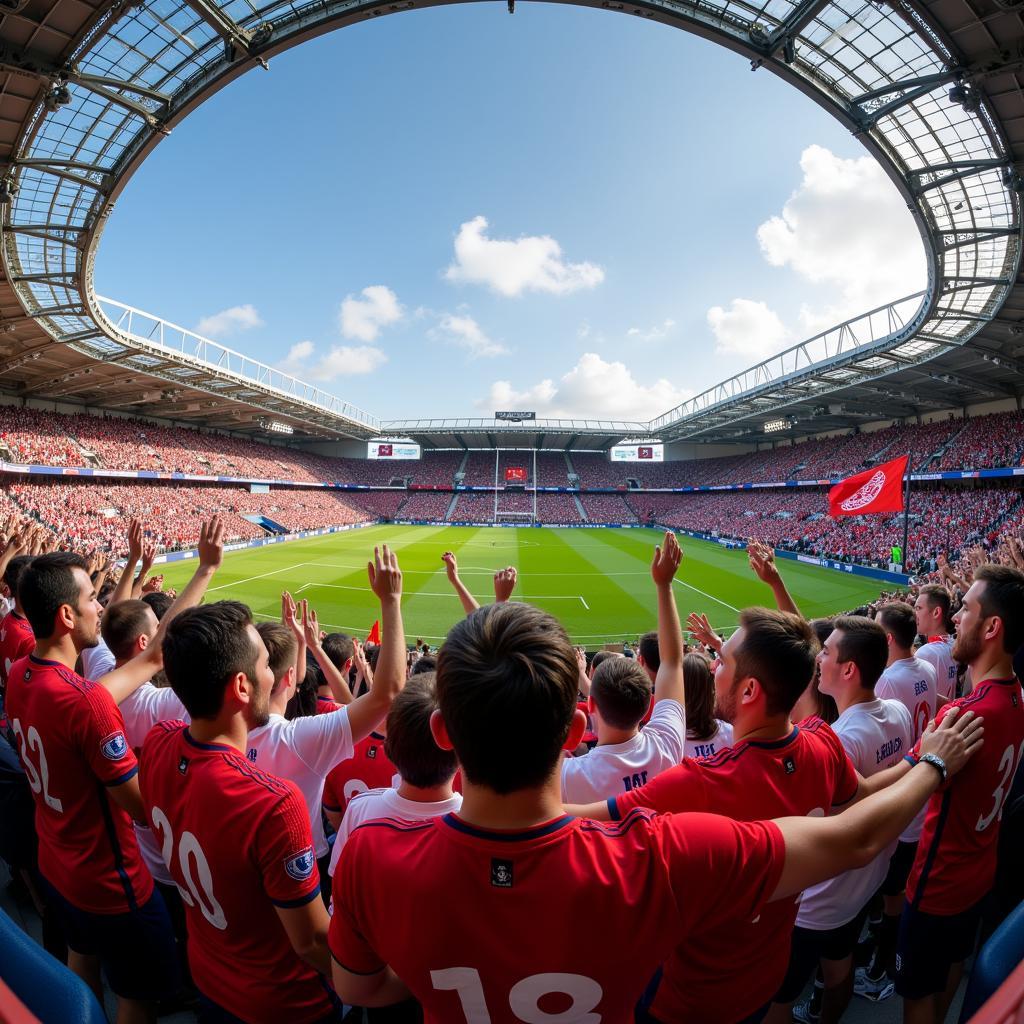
{"points": [[648, 656], [410, 743], [59, 600], [853, 657], [422, 665], [932, 610], [620, 692], [216, 661], [507, 680], [281, 650], [992, 614], [599, 659], [900, 625], [128, 627], [339, 649], [12, 575], [765, 665], [159, 601]]}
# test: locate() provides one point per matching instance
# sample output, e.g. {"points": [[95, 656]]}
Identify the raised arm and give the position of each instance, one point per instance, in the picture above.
{"points": [[668, 683], [123, 590], [291, 620], [368, 711], [124, 681], [333, 676], [820, 848], [504, 583], [762, 561], [701, 629], [148, 558], [469, 602]]}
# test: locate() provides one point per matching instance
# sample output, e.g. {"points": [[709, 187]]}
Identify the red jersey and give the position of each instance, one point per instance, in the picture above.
{"points": [[325, 705], [807, 773], [71, 740], [368, 768], [237, 842], [16, 641], [956, 856], [484, 925]]}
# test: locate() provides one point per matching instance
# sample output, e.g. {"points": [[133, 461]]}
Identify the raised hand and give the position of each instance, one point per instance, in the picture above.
{"points": [[451, 565], [701, 629], [211, 544], [667, 557], [762, 560], [504, 583], [135, 542], [289, 616], [310, 627], [154, 584], [148, 556], [384, 573]]}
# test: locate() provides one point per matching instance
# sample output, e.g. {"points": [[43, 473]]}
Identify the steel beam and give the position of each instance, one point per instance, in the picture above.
{"points": [[959, 169]]}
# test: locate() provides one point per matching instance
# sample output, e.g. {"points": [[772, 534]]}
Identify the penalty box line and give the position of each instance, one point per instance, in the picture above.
{"points": [[446, 593]]}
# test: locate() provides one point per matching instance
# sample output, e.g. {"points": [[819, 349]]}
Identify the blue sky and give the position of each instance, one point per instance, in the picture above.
{"points": [[451, 211]]}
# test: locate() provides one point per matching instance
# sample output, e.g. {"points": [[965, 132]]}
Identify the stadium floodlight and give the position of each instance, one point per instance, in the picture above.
{"points": [[276, 427], [774, 426]]}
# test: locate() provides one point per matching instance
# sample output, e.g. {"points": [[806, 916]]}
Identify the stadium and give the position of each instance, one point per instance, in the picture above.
{"points": [[112, 416]]}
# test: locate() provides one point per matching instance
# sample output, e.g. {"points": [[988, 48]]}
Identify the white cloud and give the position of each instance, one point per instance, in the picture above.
{"points": [[747, 328], [341, 361], [583, 331], [656, 333], [363, 318], [529, 263], [845, 227], [229, 321], [593, 388], [464, 331]]}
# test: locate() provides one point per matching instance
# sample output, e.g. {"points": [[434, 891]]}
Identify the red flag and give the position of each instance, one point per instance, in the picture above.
{"points": [[374, 637], [879, 489]]}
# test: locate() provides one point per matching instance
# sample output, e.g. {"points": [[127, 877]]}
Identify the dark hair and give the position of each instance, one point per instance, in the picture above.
{"points": [[46, 586], [826, 708], [339, 648], [507, 681], [600, 658], [778, 650], [159, 602], [622, 692], [204, 647], [648, 649], [1003, 597], [700, 696], [15, 570], [863, 642], [123, 623], [303, 701], [282, 648], [899, 619], [938, 596], [425, 663], [410, 744]]}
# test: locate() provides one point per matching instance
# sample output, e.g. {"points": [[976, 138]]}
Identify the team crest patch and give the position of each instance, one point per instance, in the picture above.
{"points": [[28, 675], [183, 765], [114, 746], [371, 752], [300, 867], [789, 764], [501, 873], [252, 754]]}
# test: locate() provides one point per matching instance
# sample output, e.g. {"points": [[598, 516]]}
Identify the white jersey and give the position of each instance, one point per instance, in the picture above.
{"points": [[304, 751], [386, 803], [718, 740], [938, 652], [613, 768], [97, 661], [876, 735], [141, 710], [911, 681]]}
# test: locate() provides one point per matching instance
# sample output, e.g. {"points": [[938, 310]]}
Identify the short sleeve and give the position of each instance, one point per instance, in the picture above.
{"points": [[322, 741], [103, 739], [844, 773], [668, 724], [679, 789], [284, 853], [720, 868], [346, 937]]}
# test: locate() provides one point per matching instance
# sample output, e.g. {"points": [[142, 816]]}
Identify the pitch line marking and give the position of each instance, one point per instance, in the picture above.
{"points": [[476, 570], [262, 575], [444, 593], [585, 605], [710, 597]]}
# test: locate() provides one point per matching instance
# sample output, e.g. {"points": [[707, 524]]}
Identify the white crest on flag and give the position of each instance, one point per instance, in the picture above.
{"points": [[865, 494]]}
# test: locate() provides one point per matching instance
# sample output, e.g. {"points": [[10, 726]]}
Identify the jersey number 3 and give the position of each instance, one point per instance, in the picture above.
{"points": [[525, 997], [189, 849], [1007, 766]]}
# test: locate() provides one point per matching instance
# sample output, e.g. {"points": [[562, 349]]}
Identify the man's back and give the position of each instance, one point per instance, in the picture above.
{"points": [[956, 858], [469, 918], [938, 652], [237, 841], [369, 767], [806, 773], [71, 741], [613, 768], [16, 641]]}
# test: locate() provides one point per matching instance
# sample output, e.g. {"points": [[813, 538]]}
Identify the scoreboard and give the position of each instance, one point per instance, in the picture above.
{"points": [[392, 450], [638, 453]]}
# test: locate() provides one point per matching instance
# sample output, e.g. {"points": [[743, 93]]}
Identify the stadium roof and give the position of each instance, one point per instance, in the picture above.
{"points": [[933, 89]]}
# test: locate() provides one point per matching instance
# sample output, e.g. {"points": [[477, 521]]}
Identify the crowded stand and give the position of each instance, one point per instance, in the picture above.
{"points": [[985, 441], [606, 508], [429, 505], [552, 470], [206, 832]]}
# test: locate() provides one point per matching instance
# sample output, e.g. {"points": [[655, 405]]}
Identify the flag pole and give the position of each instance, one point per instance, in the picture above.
{"points": [[906, 512]]}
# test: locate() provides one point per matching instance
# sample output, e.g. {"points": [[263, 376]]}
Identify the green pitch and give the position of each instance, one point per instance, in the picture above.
{"points": [[597, 582]]}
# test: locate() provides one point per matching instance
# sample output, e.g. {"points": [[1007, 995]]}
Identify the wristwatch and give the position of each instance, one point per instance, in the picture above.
{"points": [[937, 763]]}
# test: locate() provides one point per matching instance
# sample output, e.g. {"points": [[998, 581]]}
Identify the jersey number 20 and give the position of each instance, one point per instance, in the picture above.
{"points": [[189, 849]]}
